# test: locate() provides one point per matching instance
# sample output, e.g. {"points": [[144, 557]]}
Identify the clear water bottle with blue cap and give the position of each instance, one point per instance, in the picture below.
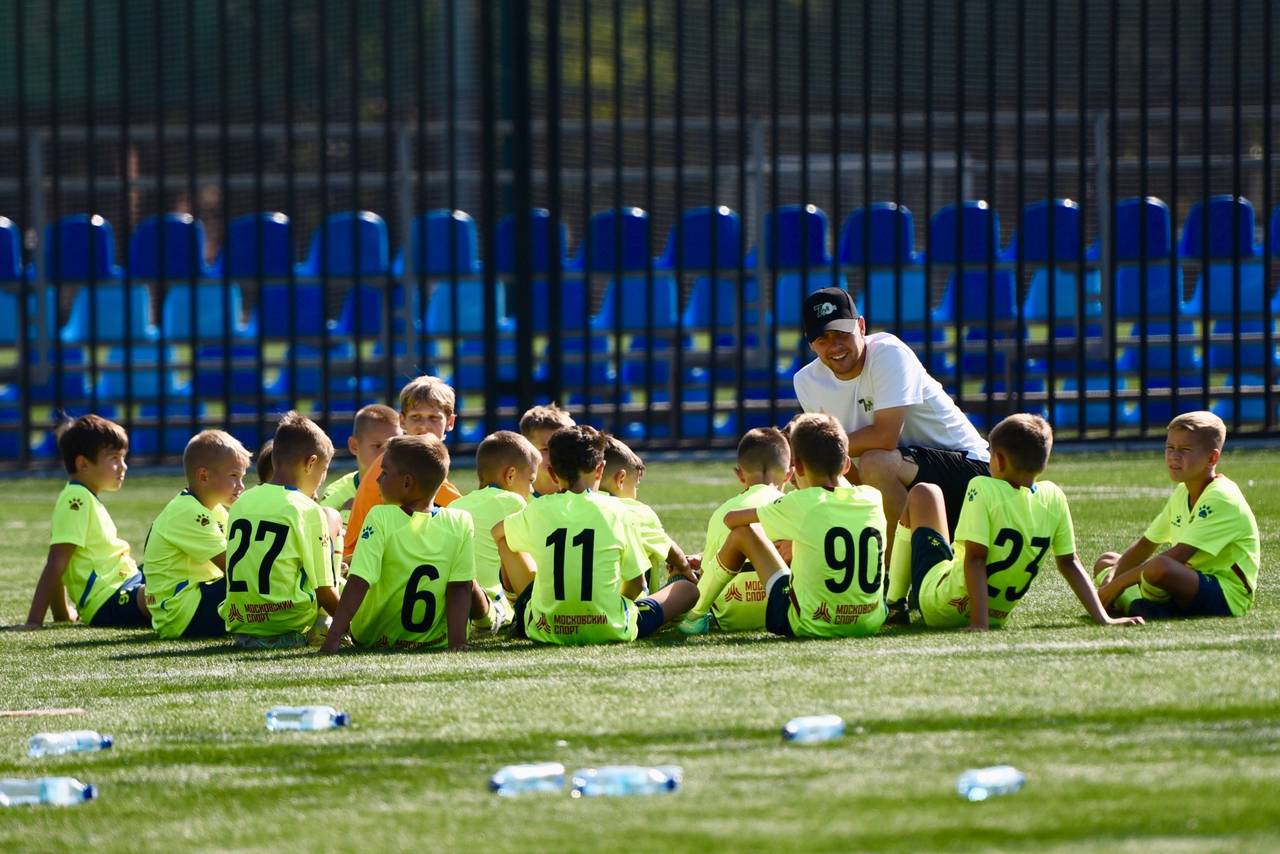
{"points": [[72, 741], [978, 784], [808, 729], [305, 718], [626, 780], [55, 791], [530, 777]]}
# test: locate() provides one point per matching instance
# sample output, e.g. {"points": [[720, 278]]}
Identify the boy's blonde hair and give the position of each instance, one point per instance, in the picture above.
{"points": [[374, 413], [88, 436], [1025, 439], [818, 441], [425, 457], [502, 449], [210, 447], [549, 417], [1206, 428], [297, 438], [618, 456], [764, 448], [428, 391]]}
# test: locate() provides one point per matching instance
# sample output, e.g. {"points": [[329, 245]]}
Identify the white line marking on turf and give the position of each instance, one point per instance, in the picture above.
{"points": [[1117, 491]]}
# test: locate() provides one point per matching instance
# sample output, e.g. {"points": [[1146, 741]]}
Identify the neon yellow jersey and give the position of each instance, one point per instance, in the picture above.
{"points": [[178, 557], [488, 506], [278, 555], [654, 539], [101, 561], [741, 607], [837, 558], [584, 546], [1023, 530], [341, 494], [1224, 533], [409, 560]]}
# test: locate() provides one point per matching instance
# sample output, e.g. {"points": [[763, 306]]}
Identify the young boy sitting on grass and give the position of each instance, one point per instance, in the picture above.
{"points": [[280, 568], [412, 581], [835, 586], [764, 467], [374, 425], [426, 407], [88, 560], [537, 424], [1009, 525], [506, 464], [589, 559], [623, 470], [186, 549], [1209, 567]]}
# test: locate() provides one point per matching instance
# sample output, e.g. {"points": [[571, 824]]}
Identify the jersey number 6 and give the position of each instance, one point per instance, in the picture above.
{"points": [[413, 595]]}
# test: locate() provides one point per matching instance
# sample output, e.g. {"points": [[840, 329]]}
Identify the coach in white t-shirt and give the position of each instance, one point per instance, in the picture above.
{"points": [[903, 427]]}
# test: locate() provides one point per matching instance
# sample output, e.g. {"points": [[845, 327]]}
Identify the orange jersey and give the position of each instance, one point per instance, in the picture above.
{"points": [[369, 496]]}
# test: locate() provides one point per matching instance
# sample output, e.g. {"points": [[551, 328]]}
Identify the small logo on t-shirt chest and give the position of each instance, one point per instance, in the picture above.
{"points": [[865, 404]]}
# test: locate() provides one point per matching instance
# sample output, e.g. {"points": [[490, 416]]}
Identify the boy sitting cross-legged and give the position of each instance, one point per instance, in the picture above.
{"points": [[764, 466], [280, 568], [374, 425], [590, 562], [426, 407], [87, 559], [835, 586], [1210, 565], [186, 549], [1010, 524], [412, 580], [506, 464], [623, 470]]}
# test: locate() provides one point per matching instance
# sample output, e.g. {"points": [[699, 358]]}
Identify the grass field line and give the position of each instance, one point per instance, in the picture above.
{"points": [[1127, 641]]}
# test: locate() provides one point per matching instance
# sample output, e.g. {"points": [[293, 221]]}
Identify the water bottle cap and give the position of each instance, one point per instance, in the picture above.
{"points": [[341, 719], [90, 792], [107, 742]]}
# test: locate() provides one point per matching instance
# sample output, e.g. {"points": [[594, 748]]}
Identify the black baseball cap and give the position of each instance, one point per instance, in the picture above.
{"points": [[829, 309]]}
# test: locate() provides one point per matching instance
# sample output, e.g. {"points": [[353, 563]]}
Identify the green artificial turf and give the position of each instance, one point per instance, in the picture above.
{"points": [[1160, 738]]}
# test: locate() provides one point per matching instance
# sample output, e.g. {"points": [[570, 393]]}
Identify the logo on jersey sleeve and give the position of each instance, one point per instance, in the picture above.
{"points": [[973, 493], [204, 520], [367, 532], [1204, 511], [74, 504]]}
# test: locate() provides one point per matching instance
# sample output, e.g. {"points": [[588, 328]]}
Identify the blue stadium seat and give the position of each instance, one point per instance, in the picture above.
{"points": [[80, 247], [144, 440], [144, 377], [80, 250], [110, 312], [1066, 412], [13, 276], [1162, 282], [787, 248], [887, 229], [545, 256], [215, 311], [704, 237], [1056, 256], [258, 244], [348, 244]]}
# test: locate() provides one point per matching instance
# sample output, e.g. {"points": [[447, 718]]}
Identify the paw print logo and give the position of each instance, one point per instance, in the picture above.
{"points": [[203, 519], [973, 493], [367, 532], [1177, 520], [1204, 511], [74, 504]]}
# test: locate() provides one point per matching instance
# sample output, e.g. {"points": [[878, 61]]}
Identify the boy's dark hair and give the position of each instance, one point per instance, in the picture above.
{"points": [[1024, 439], [820, 443], [425, 457], [502, 449], [549, 417], [88, 436], [764, 448], [618, 456], [374, 413], [265, 466], [298, 437], [576, 451]]}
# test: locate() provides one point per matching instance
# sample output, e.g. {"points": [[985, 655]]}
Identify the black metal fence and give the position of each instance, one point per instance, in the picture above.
{"points": [[217, 210]]}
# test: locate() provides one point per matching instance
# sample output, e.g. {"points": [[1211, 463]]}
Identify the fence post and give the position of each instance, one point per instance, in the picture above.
{"points": [[404, 198], [1106, 210], [35, 180], [760, 356]]}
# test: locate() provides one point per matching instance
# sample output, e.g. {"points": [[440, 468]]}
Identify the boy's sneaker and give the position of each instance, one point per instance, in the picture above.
{"points": [[899, 614], [696, 626], [499, 614]]}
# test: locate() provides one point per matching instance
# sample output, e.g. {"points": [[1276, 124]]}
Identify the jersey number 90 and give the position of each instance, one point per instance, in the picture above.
{"points": [[849, 559]]}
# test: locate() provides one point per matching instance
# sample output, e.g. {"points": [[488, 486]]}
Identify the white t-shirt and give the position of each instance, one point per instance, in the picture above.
{"points": [[891, 376]]}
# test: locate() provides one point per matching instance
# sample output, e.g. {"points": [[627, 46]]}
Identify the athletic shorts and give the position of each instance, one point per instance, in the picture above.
{"points": [[649, 617], [928, 549], [121, 610], [950, 471], [776, 619], [1209, 601], [206, 622]]}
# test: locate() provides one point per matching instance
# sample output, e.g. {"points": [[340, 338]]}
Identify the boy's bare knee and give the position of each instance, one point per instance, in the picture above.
{"points": [[1105, 561]]}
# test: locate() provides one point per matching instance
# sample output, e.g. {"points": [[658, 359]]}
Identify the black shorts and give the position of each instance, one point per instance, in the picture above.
{"points": [[518, 609], [121, 610], [928, 549], [207, 622], [950, 471], [1209, 601], [775, 610], [649, 619]]}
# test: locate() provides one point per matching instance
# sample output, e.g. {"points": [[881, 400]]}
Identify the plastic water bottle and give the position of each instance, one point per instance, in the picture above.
{"points": [[305, 718], [626, 780], [72, 741], [58, 791], [978, 784], [533, 777], [811, 728]]}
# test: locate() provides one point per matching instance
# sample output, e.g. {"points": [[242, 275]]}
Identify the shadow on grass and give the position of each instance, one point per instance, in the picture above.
{"points": [[137, 638]]}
